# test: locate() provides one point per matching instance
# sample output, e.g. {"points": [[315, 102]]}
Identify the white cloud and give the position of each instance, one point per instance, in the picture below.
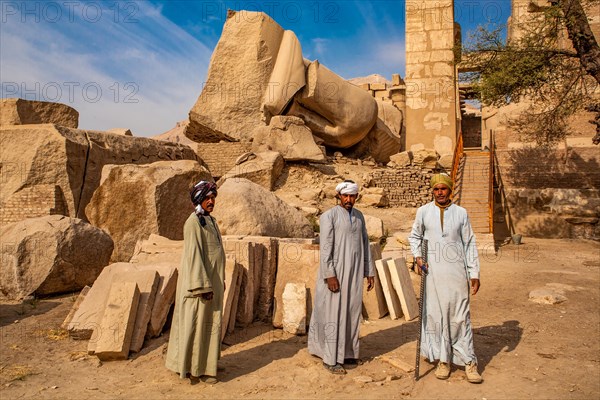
{"points": [[136, 69]]}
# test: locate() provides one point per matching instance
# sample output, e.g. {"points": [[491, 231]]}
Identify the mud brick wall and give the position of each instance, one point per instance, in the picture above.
{"points": [[405, 186], [220, 157], [31, 202]]}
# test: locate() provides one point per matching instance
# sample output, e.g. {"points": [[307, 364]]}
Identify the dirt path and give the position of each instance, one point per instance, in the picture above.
{"points": [[525, 350]]}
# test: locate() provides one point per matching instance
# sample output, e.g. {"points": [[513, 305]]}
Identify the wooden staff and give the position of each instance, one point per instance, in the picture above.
{"points": [[421, 305]]}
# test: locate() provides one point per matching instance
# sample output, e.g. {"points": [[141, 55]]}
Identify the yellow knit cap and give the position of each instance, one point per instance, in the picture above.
{"points": [[442, 178]]}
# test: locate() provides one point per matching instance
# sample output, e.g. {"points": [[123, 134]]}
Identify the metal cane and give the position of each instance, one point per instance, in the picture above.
{"points": [[421, 305]]}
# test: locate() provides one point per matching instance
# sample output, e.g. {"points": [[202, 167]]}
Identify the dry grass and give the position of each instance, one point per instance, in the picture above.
{"points": [[53, 334], [16, 372]]}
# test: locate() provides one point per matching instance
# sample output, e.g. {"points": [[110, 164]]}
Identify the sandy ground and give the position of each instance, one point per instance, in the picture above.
{"points": [[525, 350]]}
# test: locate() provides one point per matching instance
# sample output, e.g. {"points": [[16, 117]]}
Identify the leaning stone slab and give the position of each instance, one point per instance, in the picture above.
{"points": [[232, 271], [374, 306], [75, 307], [403, 286], [242, 252], [165, 297], [235, 302], [263, 306], [118, 321], [294, 308], [391, 298], [297, 263]]}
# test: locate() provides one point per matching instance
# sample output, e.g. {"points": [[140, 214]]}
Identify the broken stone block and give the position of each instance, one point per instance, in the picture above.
{"points": [[546, 296], [24, 112], [294, 308], [117, 323], [165, 297], [232, 271], [75, 307]]}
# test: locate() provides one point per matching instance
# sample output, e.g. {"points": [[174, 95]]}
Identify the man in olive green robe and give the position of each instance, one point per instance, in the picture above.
{"points": [[195, 339]]}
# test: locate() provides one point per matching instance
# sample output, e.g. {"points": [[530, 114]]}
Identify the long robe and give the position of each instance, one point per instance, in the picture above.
{"points": [[345, 254], [195, 339], [453, 260]]}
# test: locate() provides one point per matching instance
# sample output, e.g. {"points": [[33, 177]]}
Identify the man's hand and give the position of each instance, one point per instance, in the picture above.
{"points": [[333, 284], [420, 266], [475, 286], [207, 296], [370, 282]]}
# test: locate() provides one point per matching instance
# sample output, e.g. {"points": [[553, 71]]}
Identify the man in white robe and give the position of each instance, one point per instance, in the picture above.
{"points": [[345, 260], [195, 338], [452, 264]]}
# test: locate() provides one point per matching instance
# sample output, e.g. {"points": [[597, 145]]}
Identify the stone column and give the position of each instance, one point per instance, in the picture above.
{"points": [[431, 95]]}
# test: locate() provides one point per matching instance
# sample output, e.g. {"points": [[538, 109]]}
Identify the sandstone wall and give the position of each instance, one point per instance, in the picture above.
{"points": [[405, 186], [36, 201]]}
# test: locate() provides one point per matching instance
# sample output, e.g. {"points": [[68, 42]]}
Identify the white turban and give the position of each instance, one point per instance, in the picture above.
{"points": [[347, 188]]}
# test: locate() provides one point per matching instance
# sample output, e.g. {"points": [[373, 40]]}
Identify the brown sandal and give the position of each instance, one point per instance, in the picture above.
{"points": [[337, 369]]}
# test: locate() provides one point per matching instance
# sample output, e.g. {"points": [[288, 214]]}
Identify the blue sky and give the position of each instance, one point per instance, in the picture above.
{"points": [[141, 64]]}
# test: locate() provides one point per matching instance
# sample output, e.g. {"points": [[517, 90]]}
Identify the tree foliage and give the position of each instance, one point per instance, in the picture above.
{"points": [[556, 80]]}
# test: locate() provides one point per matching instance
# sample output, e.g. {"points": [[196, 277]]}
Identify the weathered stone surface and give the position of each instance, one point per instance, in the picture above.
{"points": [[403, 286], [242, 252], [165, 295], [229, 106], [117, 323], [25, 112], [53, 254], [264, 169], [147, 282], [391, 298], [235, 302], [75, 307], [289, 136], [232, 272], [157, 249], [121, 131], [265, 249], [402, 159], [425, 158], [87, 317], [374, 227], [239, 214], [341, 117], [374, 200], [294, 308], [134, 201], [445, 162], [72, 160], [374, 306], [297, 263]]}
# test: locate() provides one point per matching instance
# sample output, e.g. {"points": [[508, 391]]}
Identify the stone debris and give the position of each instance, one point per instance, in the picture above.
{"points": [[546, 296], [294, 308]]}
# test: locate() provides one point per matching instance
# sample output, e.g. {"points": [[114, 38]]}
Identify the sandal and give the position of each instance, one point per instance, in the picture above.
{"points": [[353, 361], [336, 369], [211, 380]]}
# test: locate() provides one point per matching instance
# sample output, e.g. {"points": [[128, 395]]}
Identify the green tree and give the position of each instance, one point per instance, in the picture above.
{"points": [[557, 80]]}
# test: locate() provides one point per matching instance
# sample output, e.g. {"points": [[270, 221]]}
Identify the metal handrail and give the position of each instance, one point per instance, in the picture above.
{"points": [[491, 183]]}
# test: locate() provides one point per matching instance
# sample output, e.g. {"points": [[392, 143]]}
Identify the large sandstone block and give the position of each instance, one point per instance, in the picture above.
{"points": [[24, 112], [294, 308], [237, 212], [134, 201], [157, 249], [230, 105], [297, 263], [264, 169], [72, 160], [289, 136], [53, 254], [242, 253], [374, 226], [263, 308], [118, 322]]}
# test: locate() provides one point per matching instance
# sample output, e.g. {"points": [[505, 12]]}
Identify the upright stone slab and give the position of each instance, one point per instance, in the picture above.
{"points": [[374, 306], [391, 298], [147, 283], [75, 307], [294, 308], [242, 252], [117, 323], [403, 287], [236, 301], [165, 297], [298, 262], [263, 308], [431, 100], [232, 271]]}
